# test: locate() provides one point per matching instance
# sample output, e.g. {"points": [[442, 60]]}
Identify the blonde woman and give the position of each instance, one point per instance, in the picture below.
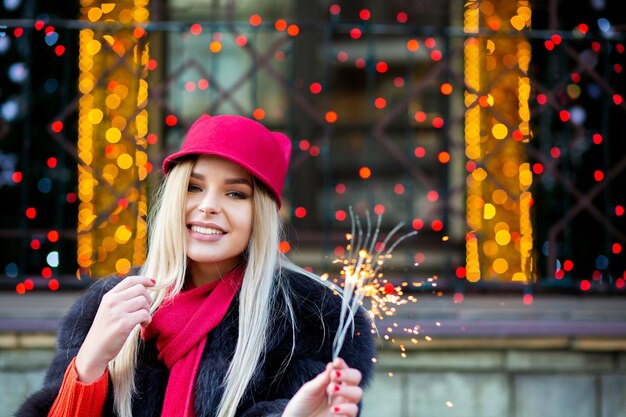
{"points": [[217, 322]]}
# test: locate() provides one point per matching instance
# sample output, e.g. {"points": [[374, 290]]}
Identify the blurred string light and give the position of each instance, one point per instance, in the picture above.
{"points": [[500, 244], [112, 129]]}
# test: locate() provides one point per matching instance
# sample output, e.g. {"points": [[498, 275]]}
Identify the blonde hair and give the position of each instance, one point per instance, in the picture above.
{"points": [[166, 263]]}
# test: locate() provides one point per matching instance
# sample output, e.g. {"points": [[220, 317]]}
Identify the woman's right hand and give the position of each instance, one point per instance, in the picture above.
{"points": [[123, 308]]}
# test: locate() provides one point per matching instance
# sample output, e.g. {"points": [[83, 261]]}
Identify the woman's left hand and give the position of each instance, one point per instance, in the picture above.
{"points": [[339, 383]]}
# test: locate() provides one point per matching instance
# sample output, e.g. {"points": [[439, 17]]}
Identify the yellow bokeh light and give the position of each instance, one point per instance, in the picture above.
{"points": [[95, 116], [141, 14], [113, 101], [490, 248], [475, 202], [499, 196], [113, 135], [489, 211], [125, 16], [122, 266], [526, 178], [499, 131], [94, 14], [85, 85], [215, 47], [93, 47], [123, 234], [501, 226], [518, 22], [479, 174], [503, 237], [110, 39], [525, 12], [121, 90], [107, 7], [500, 266], [473, 276], [490, 46], [519, 277], [124, 161], [119, 122]]}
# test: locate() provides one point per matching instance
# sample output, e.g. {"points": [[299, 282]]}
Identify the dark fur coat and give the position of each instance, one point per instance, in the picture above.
{"points": [[317, 314]]}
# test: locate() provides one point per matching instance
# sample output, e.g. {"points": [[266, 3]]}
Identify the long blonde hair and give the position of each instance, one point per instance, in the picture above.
{"points": [[166, 263]]}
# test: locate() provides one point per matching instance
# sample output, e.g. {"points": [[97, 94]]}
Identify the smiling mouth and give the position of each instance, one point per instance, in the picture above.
{"points": [[206, 230]]}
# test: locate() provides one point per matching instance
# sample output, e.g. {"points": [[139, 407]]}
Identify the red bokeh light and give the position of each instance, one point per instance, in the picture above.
{"points": [[417, 224], [57, 126], [300, 212], [53, 236], [53, 285], [460, 272], [437, 225], [585, 285], [31, 212], [171, 120], [284, 246], [196, 29], [316, 88], [382, 67]]}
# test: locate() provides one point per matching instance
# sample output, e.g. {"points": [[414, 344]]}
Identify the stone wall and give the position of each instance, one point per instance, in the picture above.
{"points": [[474, 382], [24, 359], [499, 383], [489, 356]]}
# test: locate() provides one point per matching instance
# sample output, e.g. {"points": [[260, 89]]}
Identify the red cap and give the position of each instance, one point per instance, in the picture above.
{"points": [[246, 142]]}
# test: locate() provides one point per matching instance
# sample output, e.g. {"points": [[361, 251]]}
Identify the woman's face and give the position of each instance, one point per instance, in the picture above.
{"points": [[218, 215]]}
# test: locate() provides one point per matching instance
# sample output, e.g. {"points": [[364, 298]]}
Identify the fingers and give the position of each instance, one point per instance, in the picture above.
{"points": [[344, 388], [131, 281], [130, 288], [345, 393], [125, 306], [345, 410], [348, 376]]}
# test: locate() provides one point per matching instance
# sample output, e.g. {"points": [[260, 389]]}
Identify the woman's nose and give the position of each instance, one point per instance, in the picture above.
{"points": [[210, 204]]}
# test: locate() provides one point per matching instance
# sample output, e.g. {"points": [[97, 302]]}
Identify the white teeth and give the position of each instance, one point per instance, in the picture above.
{"points": [[206, 230]]}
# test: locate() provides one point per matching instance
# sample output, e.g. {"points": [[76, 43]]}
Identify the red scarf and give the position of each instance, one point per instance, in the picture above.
{"points": [[181, 327]]}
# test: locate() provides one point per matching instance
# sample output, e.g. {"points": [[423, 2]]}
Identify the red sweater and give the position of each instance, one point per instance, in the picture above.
{"points": [[76, 399]]}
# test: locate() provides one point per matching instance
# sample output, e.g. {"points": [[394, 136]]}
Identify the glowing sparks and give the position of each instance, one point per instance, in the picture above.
{"points": [[362, 276]]}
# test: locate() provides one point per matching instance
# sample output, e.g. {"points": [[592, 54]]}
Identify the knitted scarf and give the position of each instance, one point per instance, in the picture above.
{"points": [[181, 327]]}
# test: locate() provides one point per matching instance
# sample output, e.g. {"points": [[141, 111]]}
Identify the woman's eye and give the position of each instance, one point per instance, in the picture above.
{"points": [[236, 194], [193, 188]]}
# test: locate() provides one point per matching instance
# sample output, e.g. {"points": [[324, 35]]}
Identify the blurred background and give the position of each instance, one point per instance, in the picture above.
{"points": [[493, 128]]}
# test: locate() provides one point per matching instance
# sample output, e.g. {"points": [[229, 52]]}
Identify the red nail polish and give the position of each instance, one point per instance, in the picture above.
{"points": [[336, 387], [153, 281], [338, 374], [336, 410]]}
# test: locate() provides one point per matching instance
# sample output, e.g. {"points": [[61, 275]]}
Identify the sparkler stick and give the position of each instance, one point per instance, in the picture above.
{"points": [[361, 273]]}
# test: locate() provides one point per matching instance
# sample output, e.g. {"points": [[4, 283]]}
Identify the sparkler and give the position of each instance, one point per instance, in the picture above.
{"points": [[362, 276]]}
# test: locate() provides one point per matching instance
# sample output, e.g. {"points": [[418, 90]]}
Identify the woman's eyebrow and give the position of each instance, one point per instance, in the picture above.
{"points": [[197, 175], [231, 181], [227, 181]]}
